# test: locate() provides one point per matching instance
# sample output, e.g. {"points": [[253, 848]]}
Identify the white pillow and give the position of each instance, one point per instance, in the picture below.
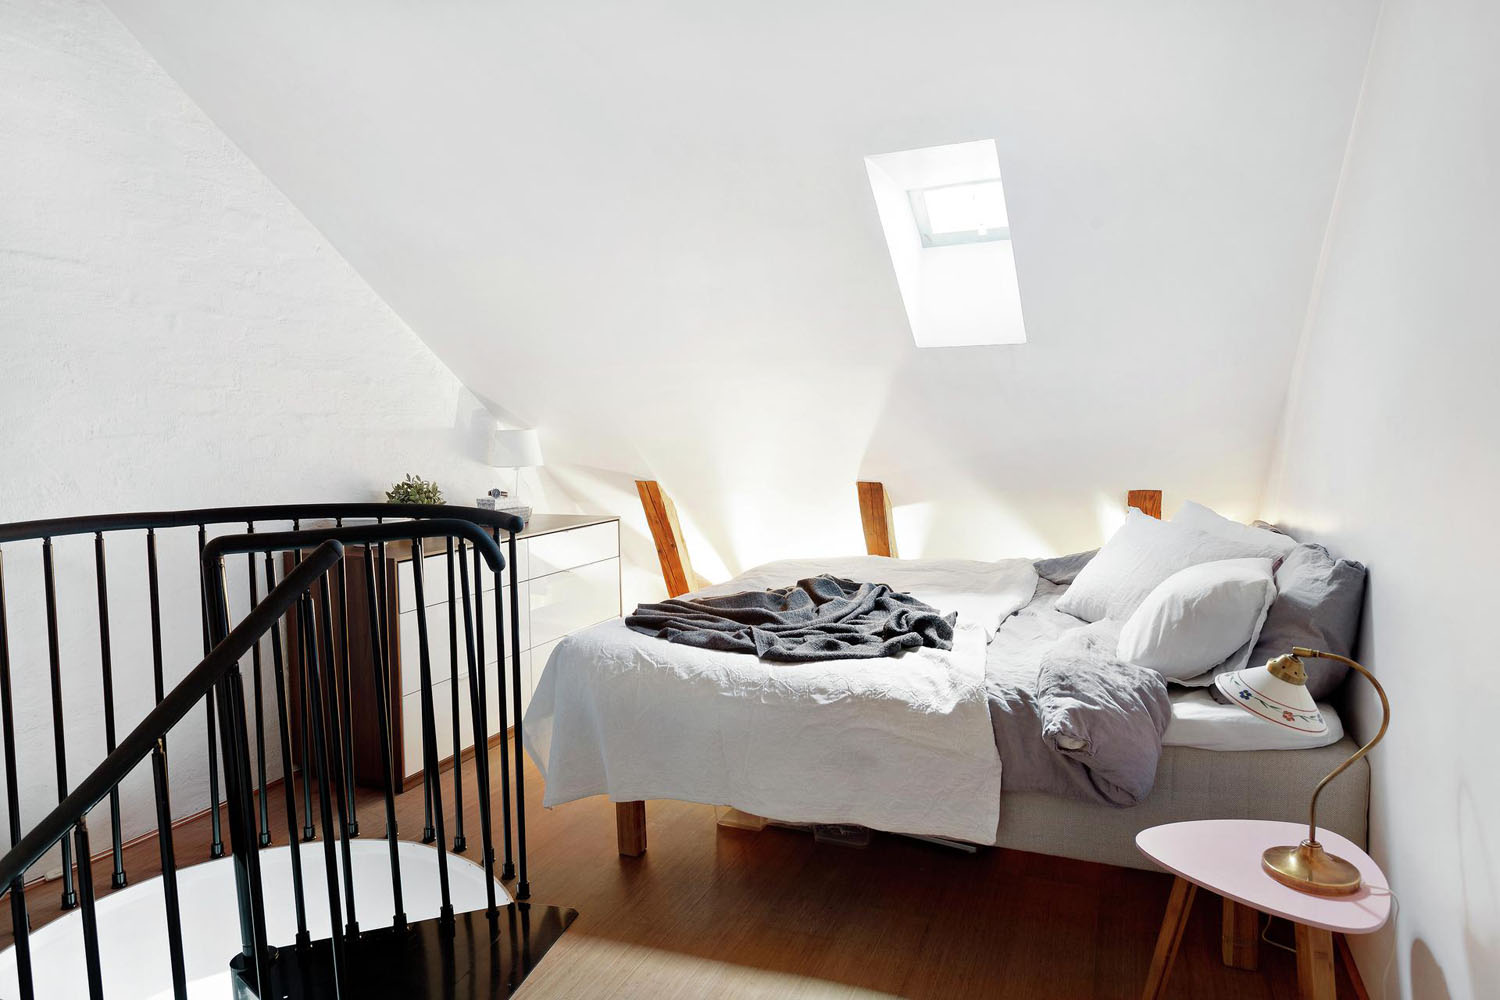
{"points": [[1143, 553], [1200, 518], [1199, 616]]}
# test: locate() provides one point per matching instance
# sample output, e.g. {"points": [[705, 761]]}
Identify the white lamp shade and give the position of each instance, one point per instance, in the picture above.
{"points": [[515, 449], [1262, 693]]}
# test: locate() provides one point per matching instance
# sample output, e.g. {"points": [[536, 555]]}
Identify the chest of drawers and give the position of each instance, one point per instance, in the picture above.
{"points": [[567, 578]]}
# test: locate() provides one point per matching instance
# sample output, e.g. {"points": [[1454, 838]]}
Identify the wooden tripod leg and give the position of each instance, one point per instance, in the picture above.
{"points": [[630, 828], [1240, 936], [1179, 908], [1315, 963]]}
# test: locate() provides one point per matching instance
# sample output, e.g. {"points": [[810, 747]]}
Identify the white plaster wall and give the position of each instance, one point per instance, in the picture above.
{"points": [[1391, 454], [173, 333], [647, 228]]}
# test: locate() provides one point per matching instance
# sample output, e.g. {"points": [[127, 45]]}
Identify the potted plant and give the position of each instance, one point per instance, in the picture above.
{"points": [[414, 489]]}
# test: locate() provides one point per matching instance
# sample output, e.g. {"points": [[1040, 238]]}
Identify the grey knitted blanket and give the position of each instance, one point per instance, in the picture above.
{"points": [[820, 618]]}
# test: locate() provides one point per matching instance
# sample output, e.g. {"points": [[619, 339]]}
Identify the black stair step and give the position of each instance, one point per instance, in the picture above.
{"points": [[475, 958]]}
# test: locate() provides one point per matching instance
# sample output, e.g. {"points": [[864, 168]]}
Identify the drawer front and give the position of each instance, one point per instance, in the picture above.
{"points": [[442, 711], [574, 599], [490, 624], [442, 718], [576, 547], [435, 577], [437, 647], [437, 640]]}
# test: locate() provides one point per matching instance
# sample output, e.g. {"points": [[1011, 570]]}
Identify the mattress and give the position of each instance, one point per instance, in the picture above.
{"points": [[1194, 784]]}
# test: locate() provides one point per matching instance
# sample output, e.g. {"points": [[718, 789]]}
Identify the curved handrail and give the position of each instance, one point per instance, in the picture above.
{"points": [[358, 534], [142, 740], [60, 526]]}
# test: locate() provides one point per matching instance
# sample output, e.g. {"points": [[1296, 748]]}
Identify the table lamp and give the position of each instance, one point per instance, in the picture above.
{"points": [[515, 450], [1277, 692]]}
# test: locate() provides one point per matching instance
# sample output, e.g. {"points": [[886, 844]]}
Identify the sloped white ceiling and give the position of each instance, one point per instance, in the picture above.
{"points": [[646, 229]]}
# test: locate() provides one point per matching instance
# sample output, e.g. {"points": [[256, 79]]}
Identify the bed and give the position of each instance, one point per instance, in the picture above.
{"points": [[933, 743]]}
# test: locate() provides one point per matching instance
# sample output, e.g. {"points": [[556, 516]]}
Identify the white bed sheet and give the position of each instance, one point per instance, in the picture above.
{"points": [[895, 743]]}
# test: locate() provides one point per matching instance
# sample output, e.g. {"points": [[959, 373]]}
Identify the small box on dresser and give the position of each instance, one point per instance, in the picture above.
{"points": [[568, 578]]}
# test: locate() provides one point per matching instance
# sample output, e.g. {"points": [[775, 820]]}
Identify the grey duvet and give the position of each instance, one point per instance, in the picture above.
{"points": [[1069, 718]]}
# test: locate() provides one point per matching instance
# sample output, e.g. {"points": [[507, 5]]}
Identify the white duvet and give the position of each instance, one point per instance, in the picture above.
{"points": [[897, 743]]}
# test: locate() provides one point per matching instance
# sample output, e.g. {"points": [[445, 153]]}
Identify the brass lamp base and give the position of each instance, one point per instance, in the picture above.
{"points": [[1308, 868]]}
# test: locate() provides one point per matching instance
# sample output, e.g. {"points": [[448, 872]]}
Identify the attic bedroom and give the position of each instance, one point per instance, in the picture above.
{"points": [[786, 500]]}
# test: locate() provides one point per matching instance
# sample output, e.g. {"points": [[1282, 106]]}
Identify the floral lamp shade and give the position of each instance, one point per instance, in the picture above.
{"points": [[1277, 692]]}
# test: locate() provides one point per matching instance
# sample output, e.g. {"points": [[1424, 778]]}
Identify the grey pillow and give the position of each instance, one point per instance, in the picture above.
{"points": [[1063, 569], [1318, 605]]}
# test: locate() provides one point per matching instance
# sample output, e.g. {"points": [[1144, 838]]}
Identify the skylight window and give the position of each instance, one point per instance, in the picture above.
{"points": [[955, 214], [948, 232]]}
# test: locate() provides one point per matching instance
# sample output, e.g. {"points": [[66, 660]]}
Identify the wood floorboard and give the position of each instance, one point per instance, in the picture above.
{"points": [[710, 912]]}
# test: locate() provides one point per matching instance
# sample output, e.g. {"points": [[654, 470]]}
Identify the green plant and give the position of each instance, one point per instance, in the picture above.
{"points": [[414, 489]]}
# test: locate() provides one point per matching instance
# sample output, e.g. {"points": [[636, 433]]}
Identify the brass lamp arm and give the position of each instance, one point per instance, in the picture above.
{"points": [[1385, 707]]}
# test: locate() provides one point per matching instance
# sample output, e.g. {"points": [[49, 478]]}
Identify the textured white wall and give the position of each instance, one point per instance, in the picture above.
{"points": [[1391, 454], [647, 229], [173, 333]]}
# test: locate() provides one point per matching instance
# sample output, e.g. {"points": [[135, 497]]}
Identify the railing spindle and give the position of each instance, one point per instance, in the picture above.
{"points": [[159, 776], [19, 920], [383, 663], [508, 866], [346, 709], [428, 834], [284, 731], [168, 868], [330, 689], [263, 819], [59, 743], [216, 847], [523, 885], [90, 919], [478, 712], [153, 584], [483, 674], [107, 674], [311, 671], [304, 707], [460, 843], [429, 737], [382, 714], [229, 692]]}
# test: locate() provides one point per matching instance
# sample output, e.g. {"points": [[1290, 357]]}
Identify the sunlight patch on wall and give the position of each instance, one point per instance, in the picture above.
{"points": [[948, 232]]}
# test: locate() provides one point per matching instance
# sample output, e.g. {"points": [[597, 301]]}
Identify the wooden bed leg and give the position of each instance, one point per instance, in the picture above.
{"points": [[1179, 908], [630, 828], [1240, 936]]}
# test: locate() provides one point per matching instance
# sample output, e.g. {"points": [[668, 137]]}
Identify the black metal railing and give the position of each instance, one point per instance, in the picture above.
{"points": [[322, 692], [218, 674]]}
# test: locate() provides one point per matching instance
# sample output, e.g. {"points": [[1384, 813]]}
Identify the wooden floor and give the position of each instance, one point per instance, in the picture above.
{"points": [[717, 912]]}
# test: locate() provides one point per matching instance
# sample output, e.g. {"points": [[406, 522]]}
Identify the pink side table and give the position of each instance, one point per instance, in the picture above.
{"points": [[1223, 856]]}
